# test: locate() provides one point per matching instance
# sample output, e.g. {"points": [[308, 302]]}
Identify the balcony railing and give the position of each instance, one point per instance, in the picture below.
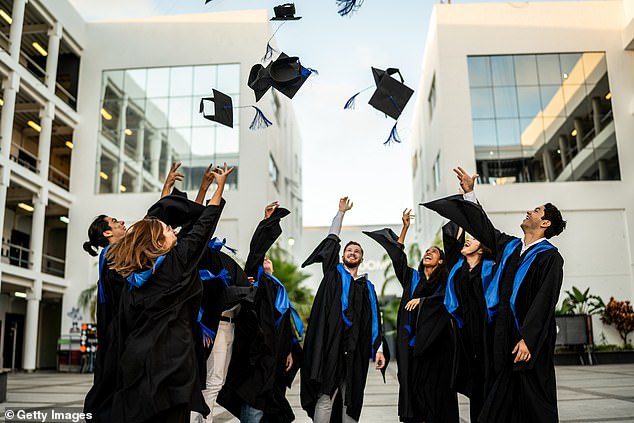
{"points": [[65, 96], [16, 255], [24, 157], [58, 177], [53, 265]]}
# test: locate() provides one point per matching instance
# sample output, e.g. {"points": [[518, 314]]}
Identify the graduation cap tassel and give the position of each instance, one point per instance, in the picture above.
{"points": [[348, 6], [259, 120], [269, 52], [351, 101], [394, 137]]}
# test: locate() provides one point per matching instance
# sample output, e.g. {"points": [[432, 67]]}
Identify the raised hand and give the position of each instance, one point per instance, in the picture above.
{"points": [[270, 208], [467, 182], [205, 182], [173, 176], [345, 204], [407, 217], [221, 174]]}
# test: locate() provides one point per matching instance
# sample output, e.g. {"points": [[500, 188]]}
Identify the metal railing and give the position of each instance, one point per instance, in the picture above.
{"points": [[41, 74], [58, 177], [24, 158], [16, 255], [53, 265], [65, 96]]}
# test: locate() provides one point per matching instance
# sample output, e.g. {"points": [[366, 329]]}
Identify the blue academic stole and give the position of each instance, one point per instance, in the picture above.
{"points": [[283, 304], [102, 265], [346, 280], [492, 295], [451, 299], [138, 279]]}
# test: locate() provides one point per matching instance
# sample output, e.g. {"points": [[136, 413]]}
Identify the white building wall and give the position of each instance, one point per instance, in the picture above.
{"points": [[598, 246]]}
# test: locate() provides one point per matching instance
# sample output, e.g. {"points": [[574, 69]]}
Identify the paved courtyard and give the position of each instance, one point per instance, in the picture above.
{"points": [[586, 394]]}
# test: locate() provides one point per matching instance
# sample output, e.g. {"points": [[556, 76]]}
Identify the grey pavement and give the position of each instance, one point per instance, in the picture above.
{"points": [[586, 394]]}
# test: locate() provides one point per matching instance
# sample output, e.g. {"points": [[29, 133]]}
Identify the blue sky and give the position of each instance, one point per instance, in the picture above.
{"points": [[343, 151]]}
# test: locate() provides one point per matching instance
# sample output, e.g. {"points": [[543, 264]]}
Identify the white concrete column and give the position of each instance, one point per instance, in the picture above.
{"points": [[4, 184], [563, 149], [10, 87], [15, 33], [118, 178], [548, 165], [579, 137], [603, 170], [54, 38], [138, 155], [37, 229], [44, 142], [29, 349], [596, 115]]}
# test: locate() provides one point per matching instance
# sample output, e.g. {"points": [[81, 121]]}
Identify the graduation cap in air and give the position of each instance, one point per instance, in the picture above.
{"points": [[285, 12], [288, 74], [390, 96], [223, 110], [176, 210], [259, 80]]}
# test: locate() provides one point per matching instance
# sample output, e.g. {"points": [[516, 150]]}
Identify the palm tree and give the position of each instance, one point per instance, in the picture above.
{"points": [[87, 301]]}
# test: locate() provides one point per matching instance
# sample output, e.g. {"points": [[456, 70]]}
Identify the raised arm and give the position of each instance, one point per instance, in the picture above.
{"points": [[453, 238], [173, 176], [266, 233], [327, 252], [205, 183]]}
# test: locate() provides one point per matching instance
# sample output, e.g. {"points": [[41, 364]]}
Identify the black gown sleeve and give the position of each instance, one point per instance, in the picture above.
{"points": [[389, 241], [326, 253], [542, 309], [190, 249], [452, 243], [266, 233]]}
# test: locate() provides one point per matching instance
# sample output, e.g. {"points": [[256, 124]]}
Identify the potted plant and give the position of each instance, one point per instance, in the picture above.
{"points": [[620, 315]]}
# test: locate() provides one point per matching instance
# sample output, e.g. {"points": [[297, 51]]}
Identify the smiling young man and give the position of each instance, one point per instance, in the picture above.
{"points": [[344, 331], [521, 299]]}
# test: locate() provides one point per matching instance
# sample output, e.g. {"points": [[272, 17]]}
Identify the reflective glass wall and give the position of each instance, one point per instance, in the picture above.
{"points": [[149, 118], [542, 117]]}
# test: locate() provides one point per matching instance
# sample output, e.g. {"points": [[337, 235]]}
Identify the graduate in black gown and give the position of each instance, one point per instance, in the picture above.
{"points": [[521, 298], [103, 232], [266, 349], [470, 275], [344, 332], [158, 365], [424, 340]]}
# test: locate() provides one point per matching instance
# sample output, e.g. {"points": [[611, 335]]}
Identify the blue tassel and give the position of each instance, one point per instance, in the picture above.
{"points": [[306, 72], [348, 6], [259, 120], [350, 103], [393, 136], [269, 52]]}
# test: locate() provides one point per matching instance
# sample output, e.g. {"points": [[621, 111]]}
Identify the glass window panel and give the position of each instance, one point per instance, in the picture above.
{"points": [[526, 70], [181, 79], [179, 139], [135, 81], [482, 103], [508, 132], [502, 72], [574, 95], [484, 133], [548, 68], [204, 80], [229, 79], [528, 100], [157, 82], [568, 63], [180, 111], [552, 126], [505, 99], [156, 113], [236, 111], [197, 117], [594, 67], [114, 78], [227, 140], [552, 100], [203, 141], [479, 71]]}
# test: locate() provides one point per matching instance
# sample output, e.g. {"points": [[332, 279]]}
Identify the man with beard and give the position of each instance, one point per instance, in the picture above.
{"points": [[522, 297], [424, 347], [344, 332]]}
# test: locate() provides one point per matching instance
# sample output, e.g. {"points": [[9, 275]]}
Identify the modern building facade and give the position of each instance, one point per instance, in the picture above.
{"points": [[92, 116], [537, 98]]}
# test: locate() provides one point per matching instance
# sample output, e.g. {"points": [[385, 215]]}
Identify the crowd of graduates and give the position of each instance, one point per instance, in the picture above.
{"points": [[183, 326]]}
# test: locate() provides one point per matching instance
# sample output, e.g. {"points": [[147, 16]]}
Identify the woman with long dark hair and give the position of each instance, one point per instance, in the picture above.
{"points": [[424, 342], [158, 377]]}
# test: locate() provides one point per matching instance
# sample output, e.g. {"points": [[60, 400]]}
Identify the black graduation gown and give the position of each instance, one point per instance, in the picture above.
{"points": [[257, 373], [333, 352], [158, 363], [522, 392], [473, 340], [98, 400]]}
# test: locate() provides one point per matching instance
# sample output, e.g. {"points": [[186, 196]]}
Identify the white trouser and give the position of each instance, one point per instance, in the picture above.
{"points": [[217, 366], [323, 408]]}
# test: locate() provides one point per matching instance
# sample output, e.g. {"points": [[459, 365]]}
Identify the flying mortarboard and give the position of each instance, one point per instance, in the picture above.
{"points": [[285, 12], [390, 96], [223, 110], [259, 80], [288, 74]]}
